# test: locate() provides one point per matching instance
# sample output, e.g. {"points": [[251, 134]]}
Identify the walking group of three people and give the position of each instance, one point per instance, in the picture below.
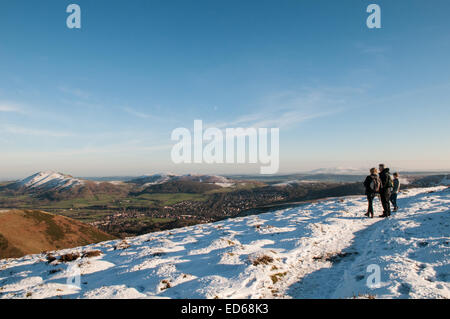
{"points": [[380, 182]]}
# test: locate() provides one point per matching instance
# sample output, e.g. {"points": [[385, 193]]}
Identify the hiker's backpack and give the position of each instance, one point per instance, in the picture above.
{"points": [[390, 183], [375, 184]]}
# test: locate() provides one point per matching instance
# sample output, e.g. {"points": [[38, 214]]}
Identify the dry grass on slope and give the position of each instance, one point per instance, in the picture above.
{"points": [[24, 232]]}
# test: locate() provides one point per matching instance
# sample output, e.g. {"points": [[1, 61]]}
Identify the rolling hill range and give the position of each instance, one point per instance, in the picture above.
{"points": [[50, 185], [48, 181], [161, 178], [326, 249], [25, 232]]}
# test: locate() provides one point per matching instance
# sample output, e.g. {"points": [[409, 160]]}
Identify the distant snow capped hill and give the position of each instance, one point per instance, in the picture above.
{"points": [[294, 183], [205, 178], [154, 179], [162, 178], [49, 180], [433, 180], [338, 170]]}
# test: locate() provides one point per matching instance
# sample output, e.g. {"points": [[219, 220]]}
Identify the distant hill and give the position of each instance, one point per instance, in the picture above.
{"points": [[171, 183], [433, 180], [180, 186], [55, 186], [161, 178], [154, 179], [48, 180], [338, 171], [25, 232]]}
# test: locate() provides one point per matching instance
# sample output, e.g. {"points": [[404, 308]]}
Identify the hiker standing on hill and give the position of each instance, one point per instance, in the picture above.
{"points": [[395, 191], [372, 185], [385, 190]]}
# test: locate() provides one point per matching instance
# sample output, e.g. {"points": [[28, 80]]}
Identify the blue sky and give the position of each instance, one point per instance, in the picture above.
{"points": [[104, 100]]}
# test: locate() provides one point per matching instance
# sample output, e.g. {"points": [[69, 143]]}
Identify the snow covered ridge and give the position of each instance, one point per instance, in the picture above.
{"points": [[148, 180], [318, 250], [153, 179], [49, 180], [339, 170], [53, 181]]}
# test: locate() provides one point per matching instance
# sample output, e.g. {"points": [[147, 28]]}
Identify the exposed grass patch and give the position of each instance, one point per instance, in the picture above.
{"points": [[276, 277], [335, 257], [363, 296], [8, 251], [92, 253], [122, 245], [231, 243], [262, 260], [50, 258], [53, 230], [166, 284], [3, 242], [54, 271], [69, 257]]}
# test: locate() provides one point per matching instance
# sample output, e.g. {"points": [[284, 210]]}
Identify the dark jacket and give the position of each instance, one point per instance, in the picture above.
{"points": [[368, 181], [396, 186], [386, 180]]}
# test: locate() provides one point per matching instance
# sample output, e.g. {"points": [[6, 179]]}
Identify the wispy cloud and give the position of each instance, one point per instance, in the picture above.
{"points": [[117, 149], [75, 92], [143, 115], [136, 113], [11, 108], [19, 130], [91, 150], [371, 49], [288, 109]]}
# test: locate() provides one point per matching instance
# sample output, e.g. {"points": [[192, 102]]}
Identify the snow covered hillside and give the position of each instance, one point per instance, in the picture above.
{"points": [[48, 181], [318, 250], [161, 178]]}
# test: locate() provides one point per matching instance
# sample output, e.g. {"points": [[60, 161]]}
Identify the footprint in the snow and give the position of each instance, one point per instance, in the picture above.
{"points": [[422, 266], [404, 289], [422, 244], [443, 276]]}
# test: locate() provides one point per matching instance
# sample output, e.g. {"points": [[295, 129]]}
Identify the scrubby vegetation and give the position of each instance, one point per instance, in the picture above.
{"points": [[92, 253], [69, 257], [54, 231], [262, 260], [32, 232], [7, 250], [276, 277]]}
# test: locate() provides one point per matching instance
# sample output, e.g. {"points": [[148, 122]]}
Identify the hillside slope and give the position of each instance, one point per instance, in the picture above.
{"points": [[48, 180], [318, 250], [52, 186], [25, 232]]}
